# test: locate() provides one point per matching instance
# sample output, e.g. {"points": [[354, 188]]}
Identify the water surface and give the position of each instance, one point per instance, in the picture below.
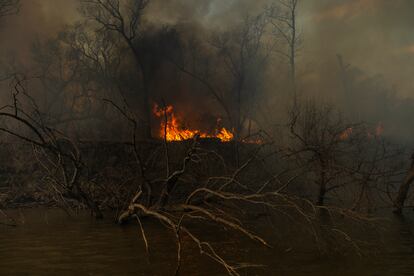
{"points": [[48, 242]]}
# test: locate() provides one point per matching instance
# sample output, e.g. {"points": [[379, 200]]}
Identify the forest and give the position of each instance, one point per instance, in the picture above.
{"points": [[150, 137]]}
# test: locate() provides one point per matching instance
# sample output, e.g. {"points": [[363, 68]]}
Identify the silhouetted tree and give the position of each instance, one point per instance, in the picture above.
{"points": [[125, 19], [283, 19], [337, 154], [230, 67]]}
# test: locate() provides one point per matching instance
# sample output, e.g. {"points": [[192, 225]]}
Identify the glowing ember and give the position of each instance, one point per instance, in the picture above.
{"points": [[257, 141], [174, 131], [346, 134]]}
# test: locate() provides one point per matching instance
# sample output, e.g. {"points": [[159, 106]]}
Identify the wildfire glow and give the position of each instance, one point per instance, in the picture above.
{"points": [[174, 130], [373, 133], [346, 134]]}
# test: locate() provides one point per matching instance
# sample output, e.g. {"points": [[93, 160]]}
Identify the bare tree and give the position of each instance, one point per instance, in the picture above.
{"points": [[125, 19], [283, 18], [230, 67], [341, 155], [56, 153], [57, 74], [72, 77], [241, 52]]}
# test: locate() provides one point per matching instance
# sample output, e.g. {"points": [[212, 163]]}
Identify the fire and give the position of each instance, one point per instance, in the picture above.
{"points": [[378, 131], [174, 130], [225, 135], [346, 134]]}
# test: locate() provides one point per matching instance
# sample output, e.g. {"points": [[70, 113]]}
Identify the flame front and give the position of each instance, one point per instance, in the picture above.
{"points": [[174, 131]]}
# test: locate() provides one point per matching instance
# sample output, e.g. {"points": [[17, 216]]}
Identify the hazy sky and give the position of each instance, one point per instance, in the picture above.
{"points": [[376, 35]]}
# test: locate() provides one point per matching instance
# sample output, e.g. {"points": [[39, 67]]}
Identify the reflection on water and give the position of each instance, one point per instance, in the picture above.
{"points": [[50, 243]]}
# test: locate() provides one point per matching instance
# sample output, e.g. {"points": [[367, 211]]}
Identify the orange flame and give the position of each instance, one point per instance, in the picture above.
{"points": [[174, 131], [346, 134]]}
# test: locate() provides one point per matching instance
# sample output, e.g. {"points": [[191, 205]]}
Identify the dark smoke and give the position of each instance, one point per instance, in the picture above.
{"points": [[373, 37]]}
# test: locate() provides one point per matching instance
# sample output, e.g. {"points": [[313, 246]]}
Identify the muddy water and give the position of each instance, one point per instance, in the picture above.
{"points": [[48, 242]]}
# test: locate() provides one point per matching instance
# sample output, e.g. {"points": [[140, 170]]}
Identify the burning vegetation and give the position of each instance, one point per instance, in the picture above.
{"points": [[173, 129]]}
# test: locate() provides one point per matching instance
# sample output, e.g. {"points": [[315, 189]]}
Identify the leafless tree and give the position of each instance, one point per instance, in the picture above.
{"points": [[76, 70], [180, 198], [283, 18], [241, 52], [57, 74], [124, 18], [229, 66], [341, 155], [56, 153]]}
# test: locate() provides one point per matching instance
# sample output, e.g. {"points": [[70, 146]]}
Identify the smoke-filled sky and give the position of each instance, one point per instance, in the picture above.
{"points": [[375, 35]]}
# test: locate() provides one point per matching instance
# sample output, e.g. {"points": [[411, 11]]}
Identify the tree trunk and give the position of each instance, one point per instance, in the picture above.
{"points": [[321, 196], [403, 191], [322, 185], [147, 130], [292, 54], [147, 111]]}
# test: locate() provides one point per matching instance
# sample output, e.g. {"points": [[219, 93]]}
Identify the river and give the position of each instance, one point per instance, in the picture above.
{"points": [[48, 242]]}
